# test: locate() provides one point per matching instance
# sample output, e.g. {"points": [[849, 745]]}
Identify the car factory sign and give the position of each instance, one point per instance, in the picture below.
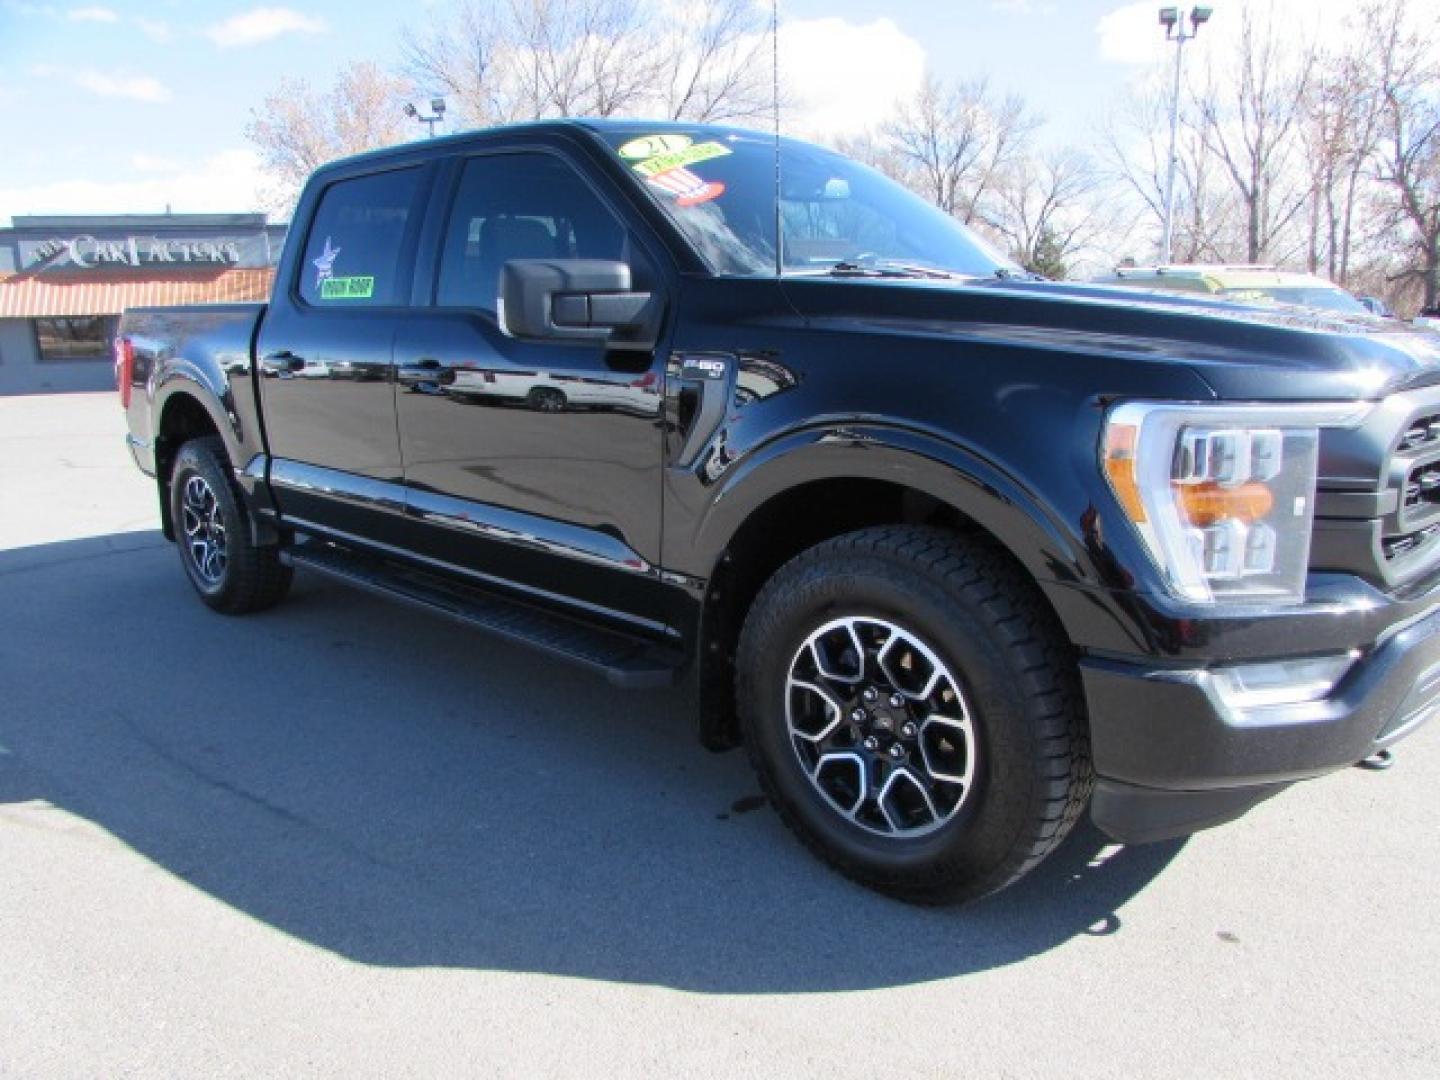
{"points": [[87, 252]]}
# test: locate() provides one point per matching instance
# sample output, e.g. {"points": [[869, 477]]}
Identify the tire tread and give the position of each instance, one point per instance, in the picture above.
{"points": [[984, 576]]}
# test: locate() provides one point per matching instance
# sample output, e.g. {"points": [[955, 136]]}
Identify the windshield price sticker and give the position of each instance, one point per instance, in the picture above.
{"points": [[650, 146], [347, 288], [677, 159], [688, 189]]}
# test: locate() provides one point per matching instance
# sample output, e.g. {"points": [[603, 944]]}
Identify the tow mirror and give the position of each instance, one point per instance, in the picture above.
{"points": [[575, 299]]}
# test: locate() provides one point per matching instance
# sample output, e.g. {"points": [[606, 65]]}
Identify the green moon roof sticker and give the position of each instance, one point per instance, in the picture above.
{"points": [[347, 288], [677, 159], [648, 146]]}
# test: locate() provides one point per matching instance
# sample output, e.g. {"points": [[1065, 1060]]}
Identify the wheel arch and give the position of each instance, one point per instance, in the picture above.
{"points": [[812, 486], [187, 407]]}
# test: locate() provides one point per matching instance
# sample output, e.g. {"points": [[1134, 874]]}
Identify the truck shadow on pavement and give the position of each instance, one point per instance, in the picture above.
{"points": [[402, 791]]}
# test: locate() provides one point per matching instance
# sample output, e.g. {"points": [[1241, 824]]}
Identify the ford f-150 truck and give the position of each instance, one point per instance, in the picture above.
{"points": [[955, 552]]}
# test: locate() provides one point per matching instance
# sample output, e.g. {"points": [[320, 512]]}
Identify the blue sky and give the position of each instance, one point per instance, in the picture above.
{"points": [[118, 105]]}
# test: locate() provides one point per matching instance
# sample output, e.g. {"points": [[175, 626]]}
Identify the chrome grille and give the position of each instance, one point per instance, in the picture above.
{"points": [[1421, 431], [1410, 537], [1396, 547], [1422, 486], [1378, 513]]}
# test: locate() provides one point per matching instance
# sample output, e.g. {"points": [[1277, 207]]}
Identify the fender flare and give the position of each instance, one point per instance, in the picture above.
{"points": [[188, 379], [185, 378], [1014, 514]]}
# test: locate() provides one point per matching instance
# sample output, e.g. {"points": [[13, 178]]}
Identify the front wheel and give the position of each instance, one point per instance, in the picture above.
{"points": [[212, 531], [913, 712]]}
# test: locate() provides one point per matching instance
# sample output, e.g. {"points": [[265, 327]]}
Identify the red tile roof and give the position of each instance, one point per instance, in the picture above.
{"points": [[27, 296]]}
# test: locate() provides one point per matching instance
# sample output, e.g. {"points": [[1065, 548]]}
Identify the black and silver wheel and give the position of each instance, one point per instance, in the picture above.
{"points": [[203, 528], [547, 399], [212, 531], [913, 712], [879, 724]]}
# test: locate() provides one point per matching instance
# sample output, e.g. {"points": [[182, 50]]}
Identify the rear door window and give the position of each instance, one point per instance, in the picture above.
{"points": [[353, 257]]}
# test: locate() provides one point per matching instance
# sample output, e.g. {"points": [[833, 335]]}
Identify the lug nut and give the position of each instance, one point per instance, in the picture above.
{"points": [[909, 730], [871, 743], [896, 701], [869, 694], [897, 751], [857, 715]]}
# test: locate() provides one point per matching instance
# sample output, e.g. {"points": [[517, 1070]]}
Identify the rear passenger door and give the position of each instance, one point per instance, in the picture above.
{"points": [[326, 350], [536, 462]]}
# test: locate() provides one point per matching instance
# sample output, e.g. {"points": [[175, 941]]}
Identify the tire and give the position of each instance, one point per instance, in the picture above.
{"points": [[547, 399], [998, 752], [212, 533]]}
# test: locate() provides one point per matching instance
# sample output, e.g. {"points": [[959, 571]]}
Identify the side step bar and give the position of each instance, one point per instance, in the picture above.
{"points": [[627, 661]]}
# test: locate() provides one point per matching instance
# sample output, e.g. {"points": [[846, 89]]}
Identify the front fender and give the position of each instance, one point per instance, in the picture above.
{"points": [[975, 487]]}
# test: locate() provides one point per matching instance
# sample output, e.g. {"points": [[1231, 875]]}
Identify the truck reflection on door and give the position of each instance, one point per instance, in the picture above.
{"points": [[540, 391]]}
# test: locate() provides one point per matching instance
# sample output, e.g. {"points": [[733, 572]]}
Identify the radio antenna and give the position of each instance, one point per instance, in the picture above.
{"points": [[775, 105]]}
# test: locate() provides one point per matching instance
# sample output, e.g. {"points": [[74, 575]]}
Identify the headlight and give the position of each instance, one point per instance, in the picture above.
{"points": [[1223, 496]]}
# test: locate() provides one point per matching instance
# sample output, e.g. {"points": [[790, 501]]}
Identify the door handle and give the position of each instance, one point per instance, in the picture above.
{"points": [[283, 361]]}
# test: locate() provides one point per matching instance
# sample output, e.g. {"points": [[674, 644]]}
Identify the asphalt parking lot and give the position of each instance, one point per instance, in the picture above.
{"points": [[345, 838]]}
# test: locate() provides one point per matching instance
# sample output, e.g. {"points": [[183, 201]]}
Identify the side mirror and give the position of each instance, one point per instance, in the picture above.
{"points": [[575, 300]]}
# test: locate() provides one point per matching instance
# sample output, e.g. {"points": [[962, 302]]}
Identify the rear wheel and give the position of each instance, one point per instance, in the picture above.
{"points": [[212, 531], [913, 712], [547, 399]]}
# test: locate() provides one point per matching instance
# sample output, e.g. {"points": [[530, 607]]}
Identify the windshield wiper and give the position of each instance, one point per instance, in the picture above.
{"points": [[1004, 273], [890, 269]]}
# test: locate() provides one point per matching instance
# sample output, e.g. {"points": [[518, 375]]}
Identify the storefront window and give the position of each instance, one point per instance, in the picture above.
{"points": [[85, 337]]}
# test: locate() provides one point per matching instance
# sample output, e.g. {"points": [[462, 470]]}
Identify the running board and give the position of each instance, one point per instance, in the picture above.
{"points": [[627, 661]]}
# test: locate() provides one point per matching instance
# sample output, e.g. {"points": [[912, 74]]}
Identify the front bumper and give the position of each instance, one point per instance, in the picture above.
{"points": [[1171, 756]]}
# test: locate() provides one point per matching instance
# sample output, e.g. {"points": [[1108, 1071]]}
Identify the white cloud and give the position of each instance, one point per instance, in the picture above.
{"points": [[1023, 7], [228, 181], [132, 87], [92, 14], [843, 76], [145, 88], [157, 30], [263, 24], [149, 163]]}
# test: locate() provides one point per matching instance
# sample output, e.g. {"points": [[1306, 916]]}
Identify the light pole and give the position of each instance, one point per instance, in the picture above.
{"points": [[1173, 19], [437, 106]]}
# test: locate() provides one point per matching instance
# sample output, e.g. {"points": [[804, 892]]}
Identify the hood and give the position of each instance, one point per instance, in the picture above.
{"points": [[1243, 352]]}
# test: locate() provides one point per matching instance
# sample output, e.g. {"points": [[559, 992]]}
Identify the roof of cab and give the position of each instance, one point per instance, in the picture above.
{"points": [[592, 125]]}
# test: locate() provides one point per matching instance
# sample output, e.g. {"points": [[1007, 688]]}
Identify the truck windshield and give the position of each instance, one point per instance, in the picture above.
{"points": [[837, 216], [1312, 297]]}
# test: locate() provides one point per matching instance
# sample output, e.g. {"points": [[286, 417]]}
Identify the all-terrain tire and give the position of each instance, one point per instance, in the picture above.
{"points": [[212, 532], [974, 609]]}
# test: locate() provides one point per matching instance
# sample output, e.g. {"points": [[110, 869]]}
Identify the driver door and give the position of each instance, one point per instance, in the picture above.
{"points": [[534, 463]]}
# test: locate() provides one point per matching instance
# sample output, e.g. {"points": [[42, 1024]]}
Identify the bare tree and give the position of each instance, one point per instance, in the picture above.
{"points": [[953, 142], [1134, 150], [1409, 83], [1250, 121], [298, 128], [1340, 133], [718, 64], [1047, 210], [531, 59]]}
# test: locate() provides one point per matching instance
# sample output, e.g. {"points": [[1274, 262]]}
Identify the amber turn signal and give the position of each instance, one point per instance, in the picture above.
{"points": [[1120, 443], [1206, 504]]}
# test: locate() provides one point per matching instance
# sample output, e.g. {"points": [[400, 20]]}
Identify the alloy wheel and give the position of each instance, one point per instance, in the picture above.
{"points": [[880, 725], [204, 527]]}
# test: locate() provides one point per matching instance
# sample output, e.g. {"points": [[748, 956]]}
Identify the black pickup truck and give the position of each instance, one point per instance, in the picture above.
{"points": [[956, 553]]}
